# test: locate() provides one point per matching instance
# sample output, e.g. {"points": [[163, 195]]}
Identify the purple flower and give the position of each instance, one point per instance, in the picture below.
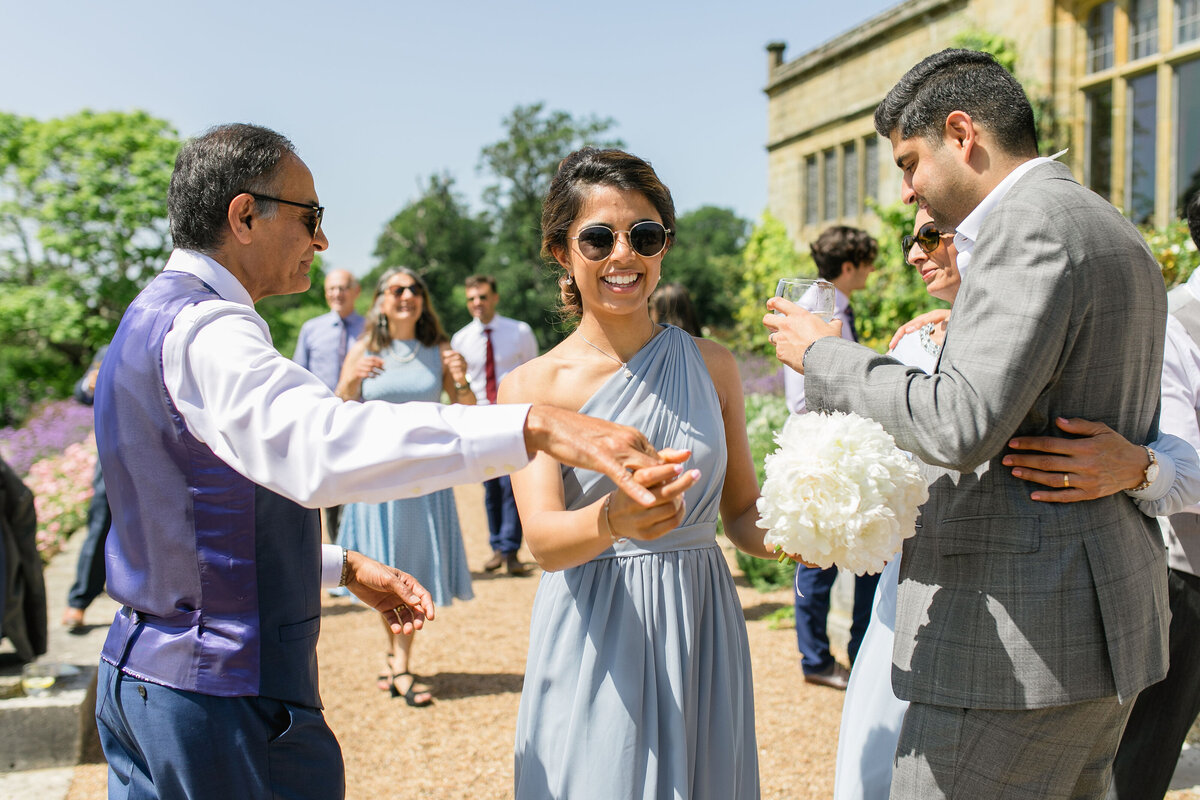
{"points": [[56, 426]]}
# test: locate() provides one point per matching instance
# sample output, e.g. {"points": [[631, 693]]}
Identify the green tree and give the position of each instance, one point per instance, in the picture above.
{"points": [[522, 165], [83, 226], [706, 258], [438, 237], [768, 256]]}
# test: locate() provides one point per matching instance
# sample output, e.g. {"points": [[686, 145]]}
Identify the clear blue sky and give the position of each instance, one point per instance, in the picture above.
{"points": [[377, 96]]}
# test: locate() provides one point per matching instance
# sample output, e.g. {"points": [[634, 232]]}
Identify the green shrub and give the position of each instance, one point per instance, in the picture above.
{"points": [[765, 414]]}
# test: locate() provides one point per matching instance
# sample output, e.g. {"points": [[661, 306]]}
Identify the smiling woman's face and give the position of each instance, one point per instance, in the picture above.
{"points": [[937, 269], [622, 283]]}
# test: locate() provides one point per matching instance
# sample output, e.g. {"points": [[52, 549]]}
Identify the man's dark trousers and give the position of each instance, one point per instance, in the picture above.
{"points": [[504, 525], [812, 611]]}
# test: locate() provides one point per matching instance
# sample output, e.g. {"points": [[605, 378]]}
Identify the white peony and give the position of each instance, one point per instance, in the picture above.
{"points": [[839, 491]]}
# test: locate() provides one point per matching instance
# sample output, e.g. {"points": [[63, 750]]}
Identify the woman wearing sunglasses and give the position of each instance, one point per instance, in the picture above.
{"points": [[403, 356], [872, 714], [638, 675]]}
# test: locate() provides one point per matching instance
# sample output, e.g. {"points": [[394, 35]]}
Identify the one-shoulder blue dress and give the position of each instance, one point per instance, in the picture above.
{"points": [[638, 678], [419, 535]]}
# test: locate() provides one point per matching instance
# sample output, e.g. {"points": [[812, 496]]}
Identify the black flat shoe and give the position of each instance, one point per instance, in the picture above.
{"points": [[410, 696]]}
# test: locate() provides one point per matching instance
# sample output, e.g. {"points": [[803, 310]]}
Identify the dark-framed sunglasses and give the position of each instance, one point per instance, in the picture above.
{"points": [[647, 239], [927, 237], [314, 222], [398, 291]]}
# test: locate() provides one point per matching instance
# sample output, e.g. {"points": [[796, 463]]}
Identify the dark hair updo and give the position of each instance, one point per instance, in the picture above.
{"points": [[577, 174]]}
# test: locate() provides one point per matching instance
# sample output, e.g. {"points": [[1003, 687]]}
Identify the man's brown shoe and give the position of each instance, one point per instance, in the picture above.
{"points": [[495, 562], [515, 567], [836, 677], [72, 618]]}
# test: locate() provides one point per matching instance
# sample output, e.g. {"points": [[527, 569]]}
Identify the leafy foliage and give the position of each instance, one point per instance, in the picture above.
{"points": [[1174, 250], [522, 165], [438, 237], [82, 227], [765, 415], [768, 256], [706, 258]]}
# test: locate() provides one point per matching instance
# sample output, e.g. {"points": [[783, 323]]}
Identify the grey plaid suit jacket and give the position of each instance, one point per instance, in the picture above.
{"points": [[1004, 602]]}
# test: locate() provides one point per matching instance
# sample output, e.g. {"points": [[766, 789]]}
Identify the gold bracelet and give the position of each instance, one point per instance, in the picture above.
{"points": [[345, 567], [608, 524]]}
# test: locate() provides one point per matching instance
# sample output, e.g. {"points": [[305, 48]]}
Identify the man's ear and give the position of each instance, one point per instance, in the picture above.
{"points": [[960, 132], [848, 267], [240, 217]]}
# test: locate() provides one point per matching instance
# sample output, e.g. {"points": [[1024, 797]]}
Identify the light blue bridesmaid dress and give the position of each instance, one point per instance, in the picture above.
{"points": [[638, 679], [419, 535]]}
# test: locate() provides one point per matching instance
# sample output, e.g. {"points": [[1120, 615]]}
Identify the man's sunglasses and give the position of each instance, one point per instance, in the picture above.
{"points": [[647, 239], [313, 222], [928, 238], [398, 291]]}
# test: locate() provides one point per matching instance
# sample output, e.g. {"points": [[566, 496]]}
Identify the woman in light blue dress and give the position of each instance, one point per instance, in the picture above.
{"points": [[404, 356], [638, 679]]}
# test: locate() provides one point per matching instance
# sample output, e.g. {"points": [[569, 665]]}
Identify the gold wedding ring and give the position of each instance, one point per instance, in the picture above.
{"points": [[1066, 481]]}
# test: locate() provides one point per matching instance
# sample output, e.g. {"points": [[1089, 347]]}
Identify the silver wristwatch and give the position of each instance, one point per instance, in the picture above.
{"points": [[1151, 472]]}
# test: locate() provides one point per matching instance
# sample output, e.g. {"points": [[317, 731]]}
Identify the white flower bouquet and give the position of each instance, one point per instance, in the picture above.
{"points": [[839, 491]]}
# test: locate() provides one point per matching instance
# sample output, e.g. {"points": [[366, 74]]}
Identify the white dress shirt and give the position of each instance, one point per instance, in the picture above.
{"points": [[513, 343], [274, 422], [793, 382]]}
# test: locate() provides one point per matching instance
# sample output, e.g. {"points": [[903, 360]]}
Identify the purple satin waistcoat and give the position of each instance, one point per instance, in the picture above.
{"points": [[219, 577]]}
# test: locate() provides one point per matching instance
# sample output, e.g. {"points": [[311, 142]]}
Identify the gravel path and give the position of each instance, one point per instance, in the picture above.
{"points": [[473, 655]]}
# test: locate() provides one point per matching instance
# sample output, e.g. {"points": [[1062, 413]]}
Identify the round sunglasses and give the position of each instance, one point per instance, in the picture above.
{"points": [[647, 239], [927, 237]]}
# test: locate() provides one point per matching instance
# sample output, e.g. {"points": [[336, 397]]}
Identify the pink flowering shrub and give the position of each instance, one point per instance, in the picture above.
{"points": [[62, 489]]}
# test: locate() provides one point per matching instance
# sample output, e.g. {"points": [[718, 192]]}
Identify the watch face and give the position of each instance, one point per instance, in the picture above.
{"points": [[1152, 472]]}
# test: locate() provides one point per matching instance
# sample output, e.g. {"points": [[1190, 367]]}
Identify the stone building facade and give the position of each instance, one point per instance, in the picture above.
{"points": [[1121, 78]]}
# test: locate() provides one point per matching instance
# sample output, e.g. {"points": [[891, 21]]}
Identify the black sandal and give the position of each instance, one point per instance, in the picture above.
{"points": [[410, 696]]}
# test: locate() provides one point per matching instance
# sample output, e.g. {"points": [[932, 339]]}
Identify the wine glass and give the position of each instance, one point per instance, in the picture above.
{"points": [[811, 294]]}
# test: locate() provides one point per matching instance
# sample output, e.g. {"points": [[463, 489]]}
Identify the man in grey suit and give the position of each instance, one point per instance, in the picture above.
{"points": [[1023, 630]]}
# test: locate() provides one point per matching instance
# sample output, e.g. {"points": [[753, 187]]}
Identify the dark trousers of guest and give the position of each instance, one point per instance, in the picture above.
{"points": [[504, 525], [161, 742], [812, 613], [1163, 713], [333, 518], [89, 570]]}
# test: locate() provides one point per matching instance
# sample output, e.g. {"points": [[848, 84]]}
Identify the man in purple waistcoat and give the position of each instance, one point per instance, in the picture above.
{"points": [[217, 451]]}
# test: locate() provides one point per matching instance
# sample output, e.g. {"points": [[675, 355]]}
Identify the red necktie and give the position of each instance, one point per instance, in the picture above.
{"points": [[489, 367]]}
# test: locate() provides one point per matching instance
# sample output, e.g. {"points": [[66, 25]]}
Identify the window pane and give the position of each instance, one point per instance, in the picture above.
{"points": [[1098, 164], [1143, 96], [1100, 37], [810, 191], [1187, 132], [1143, 28], [1187, 20], [831, 183], [871, 162], [850, 180]]}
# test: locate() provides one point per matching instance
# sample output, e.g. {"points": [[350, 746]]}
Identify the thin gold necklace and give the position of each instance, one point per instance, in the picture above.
{"points": [[624, 364]]}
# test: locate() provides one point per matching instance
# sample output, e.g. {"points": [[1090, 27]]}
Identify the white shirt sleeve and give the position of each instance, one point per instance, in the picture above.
{"points": [[1180, 399], [278, 425]]}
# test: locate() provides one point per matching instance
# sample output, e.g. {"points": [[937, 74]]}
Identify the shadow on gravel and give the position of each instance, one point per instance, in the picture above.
{"points": [[761, 610], [450, 685]]}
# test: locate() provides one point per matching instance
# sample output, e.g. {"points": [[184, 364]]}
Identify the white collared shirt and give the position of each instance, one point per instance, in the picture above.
{"points": [[274, 422], [513, 343], [968, 230]]}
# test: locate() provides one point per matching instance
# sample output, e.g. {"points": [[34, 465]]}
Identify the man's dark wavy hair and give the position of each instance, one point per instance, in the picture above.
{"points": [[959, 80]]}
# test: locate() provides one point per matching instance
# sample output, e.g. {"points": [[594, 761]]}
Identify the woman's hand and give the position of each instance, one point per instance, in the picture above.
{"points": [[367, 367], [667, 482], [935, 316], [454, 365], [1102, 463]]}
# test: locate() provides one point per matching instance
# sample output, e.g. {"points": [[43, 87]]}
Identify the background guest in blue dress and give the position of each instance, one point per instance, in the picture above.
{"points": [[404, 356], [638, 679]]}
